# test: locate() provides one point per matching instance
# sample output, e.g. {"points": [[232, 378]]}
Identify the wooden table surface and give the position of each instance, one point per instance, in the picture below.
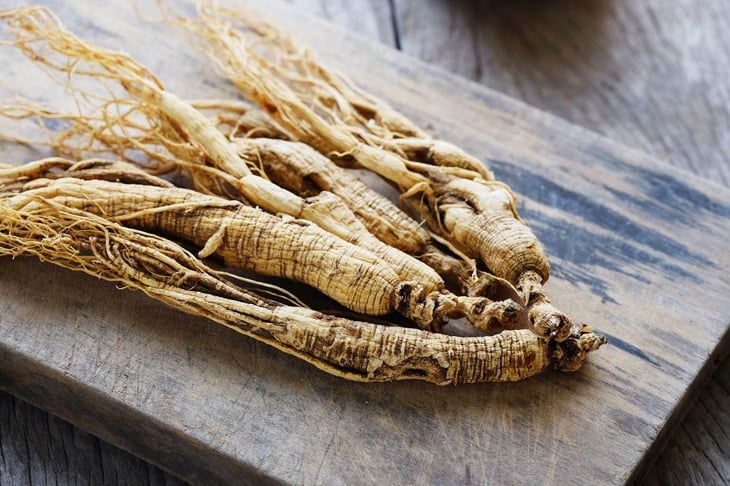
{"points": [[651, 75]]}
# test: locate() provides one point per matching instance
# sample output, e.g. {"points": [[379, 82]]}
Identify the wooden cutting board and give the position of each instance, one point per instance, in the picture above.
{"points": [[639, 251]]}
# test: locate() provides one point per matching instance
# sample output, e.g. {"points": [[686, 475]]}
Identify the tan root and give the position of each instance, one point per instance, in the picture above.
{"points": [[180, 121], [458, 201], [84, 241], [262, 194], [249, 239]]}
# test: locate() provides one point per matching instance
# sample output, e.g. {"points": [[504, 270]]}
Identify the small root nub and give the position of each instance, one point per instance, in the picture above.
{"points": [[491, 316], [570, 354]]}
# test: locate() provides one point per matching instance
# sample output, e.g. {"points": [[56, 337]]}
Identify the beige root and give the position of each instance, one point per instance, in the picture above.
{"points": [[192, 127], [299, 162], [327, 210], [238, 119], [356, 351], [367, 117], [247, 238], [460, 204], [186, 133], [15, 178], [304, 171], [168, 131], [350, 349], [297, 167]]}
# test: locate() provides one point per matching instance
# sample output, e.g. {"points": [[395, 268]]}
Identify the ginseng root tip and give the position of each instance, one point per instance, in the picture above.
{"points": [[570, 354], [549, 323]]}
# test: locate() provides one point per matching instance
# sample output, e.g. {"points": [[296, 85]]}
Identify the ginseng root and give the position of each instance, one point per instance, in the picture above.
{"points": [[304, 171], [326, 91], [238, 119], [250, 239], [180, 129], [192, 128], [118, 222], [301, 169], [474, 213], [349, 349]]}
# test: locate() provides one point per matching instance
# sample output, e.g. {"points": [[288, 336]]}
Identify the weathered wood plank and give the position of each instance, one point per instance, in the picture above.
{"points": [[534, 415], [523, 48], [42, 449], [453, 43], [649, 74], [370, 19], [698, 452]]}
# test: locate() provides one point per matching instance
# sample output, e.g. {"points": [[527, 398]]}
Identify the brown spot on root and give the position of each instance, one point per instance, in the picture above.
{"points": [[529, 358], [269, 106], [403, 298], [570, 354]]}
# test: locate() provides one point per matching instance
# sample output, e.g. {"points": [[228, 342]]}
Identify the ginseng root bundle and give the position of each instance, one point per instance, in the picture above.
{"points": [[154, 191]]}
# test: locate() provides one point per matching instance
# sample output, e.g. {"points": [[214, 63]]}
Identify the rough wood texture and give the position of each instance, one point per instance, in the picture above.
{"points": [[38, 448], [650, 74], [699, 451], [370, 19], [509, 403]]}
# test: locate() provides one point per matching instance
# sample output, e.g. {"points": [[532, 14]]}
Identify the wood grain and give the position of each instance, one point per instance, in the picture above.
{"points": [[509, 409], [699, 450], [370, 19], [38, 448], [649, 74]]}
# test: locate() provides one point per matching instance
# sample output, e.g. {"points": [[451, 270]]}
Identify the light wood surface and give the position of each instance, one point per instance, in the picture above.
{"points": [[568, 138]]}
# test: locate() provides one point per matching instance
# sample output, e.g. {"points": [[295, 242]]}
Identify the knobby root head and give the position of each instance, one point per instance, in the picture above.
{"points": [[570, 354], [549, 323]]}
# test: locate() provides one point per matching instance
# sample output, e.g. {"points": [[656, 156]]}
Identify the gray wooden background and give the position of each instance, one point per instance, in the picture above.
{"points": [[651, 74]]}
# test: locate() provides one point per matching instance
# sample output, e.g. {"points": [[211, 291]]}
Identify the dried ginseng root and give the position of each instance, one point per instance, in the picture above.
{"points": [[187, 134], [169, 133], [239, 119], [327, 91], [250, 239], [178, 127], [301, 169], [475, 214], [481, 312], [350, 349], [304, 171]]}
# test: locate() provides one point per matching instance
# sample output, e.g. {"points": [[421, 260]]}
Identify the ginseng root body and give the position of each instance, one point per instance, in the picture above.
{"points": [[281, 208], [250, 239], [439, 185], [351, 349]]}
